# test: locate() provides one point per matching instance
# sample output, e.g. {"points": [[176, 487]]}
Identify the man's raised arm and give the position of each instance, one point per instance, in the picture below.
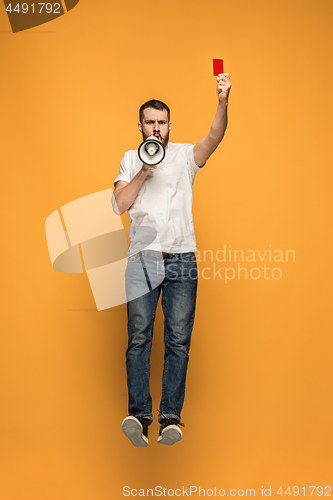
{"points": [[206, 146]]}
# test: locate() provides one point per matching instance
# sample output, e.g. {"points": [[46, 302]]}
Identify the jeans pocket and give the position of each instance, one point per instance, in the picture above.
{"points": [[133, 258], [188, 257]]}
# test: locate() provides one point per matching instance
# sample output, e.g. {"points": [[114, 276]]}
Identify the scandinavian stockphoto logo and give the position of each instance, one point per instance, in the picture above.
{"points": [[23, 16], [86, 236]]}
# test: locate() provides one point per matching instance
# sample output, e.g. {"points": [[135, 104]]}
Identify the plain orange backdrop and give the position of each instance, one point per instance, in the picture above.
{"points": [[258, 409]]}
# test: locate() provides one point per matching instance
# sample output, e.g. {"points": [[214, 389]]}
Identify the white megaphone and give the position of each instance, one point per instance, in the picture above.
{"points": [[151, 151]]}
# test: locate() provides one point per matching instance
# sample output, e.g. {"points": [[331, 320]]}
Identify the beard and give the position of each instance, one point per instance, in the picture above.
{"points": [[164, 140]]}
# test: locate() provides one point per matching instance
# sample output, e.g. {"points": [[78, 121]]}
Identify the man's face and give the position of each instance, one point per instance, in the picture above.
{"points": [[155, 122]]}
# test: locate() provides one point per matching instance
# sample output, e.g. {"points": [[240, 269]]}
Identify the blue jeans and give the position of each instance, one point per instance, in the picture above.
{"points": [[147, 275]]}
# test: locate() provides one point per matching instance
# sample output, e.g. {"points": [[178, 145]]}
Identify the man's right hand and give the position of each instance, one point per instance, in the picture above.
{"points": [[145, 168], [125, 192]]}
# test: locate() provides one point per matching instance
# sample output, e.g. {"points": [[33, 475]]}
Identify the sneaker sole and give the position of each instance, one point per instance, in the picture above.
{"points": [[170, 435], [132, 429]]}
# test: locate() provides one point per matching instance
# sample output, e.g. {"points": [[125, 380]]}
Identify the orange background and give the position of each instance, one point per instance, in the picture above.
{"points": [[258, 409]]}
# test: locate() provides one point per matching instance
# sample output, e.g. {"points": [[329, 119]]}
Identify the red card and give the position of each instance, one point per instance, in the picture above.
{"points": [[217, 66]]}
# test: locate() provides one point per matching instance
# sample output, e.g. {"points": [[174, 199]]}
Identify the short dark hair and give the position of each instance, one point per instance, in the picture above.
{"points": [[155, 104]]}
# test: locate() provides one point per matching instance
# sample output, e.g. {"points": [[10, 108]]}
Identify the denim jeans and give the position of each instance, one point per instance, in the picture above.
{"points": [[148, 274]]}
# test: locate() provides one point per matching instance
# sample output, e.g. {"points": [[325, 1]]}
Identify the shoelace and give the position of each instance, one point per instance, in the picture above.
{"points": [[142, 417], [169, 420]]}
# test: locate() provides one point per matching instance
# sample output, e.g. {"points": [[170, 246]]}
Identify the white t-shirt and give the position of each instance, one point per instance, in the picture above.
{"points": [[164, 202]]}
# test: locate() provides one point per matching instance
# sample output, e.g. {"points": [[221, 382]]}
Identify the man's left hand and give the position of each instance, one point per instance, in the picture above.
{"points": [[223, 87]]}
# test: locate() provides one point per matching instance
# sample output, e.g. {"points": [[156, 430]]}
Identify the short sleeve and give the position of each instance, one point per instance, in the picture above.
{"points": [[124, 170], [193, 167]]}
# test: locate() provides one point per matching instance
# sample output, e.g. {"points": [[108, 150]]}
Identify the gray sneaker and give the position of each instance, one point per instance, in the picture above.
{"points": [[170, 432], [135, 430]]}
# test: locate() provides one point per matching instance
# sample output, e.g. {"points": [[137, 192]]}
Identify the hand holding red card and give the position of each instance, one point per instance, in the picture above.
{"points": [[223, 81]]}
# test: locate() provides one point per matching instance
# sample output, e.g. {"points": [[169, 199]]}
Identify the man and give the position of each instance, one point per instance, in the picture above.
{"points": [[158, 200]]}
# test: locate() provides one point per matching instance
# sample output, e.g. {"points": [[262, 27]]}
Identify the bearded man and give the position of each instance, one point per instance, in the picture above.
{"points": [[161, 261]]}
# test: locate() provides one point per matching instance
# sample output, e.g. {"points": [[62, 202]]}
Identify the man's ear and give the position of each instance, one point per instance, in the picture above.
{"points": [[140, 127], [170, 126]]}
